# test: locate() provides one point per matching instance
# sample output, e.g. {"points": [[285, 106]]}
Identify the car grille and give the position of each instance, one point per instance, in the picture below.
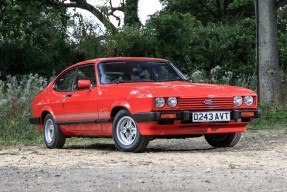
{"points": [[200, 103]]}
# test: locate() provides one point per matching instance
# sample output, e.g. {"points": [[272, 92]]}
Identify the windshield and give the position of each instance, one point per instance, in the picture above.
{"points": [[138, 71]]}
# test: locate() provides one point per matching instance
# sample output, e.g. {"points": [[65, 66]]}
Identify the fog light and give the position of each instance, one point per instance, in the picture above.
{"points": [[168, 116], [247, 114]]}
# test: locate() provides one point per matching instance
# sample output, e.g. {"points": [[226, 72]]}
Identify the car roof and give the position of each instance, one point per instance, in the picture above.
{"points": [[98, 60]]}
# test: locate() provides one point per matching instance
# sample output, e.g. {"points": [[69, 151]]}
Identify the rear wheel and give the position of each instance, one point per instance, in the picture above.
{"points": [[126, 134], [223, 140], [53, 136]]}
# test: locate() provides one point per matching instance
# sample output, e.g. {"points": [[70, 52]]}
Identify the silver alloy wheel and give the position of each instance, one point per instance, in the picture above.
{"points": [[126, 130], [49, 130]]}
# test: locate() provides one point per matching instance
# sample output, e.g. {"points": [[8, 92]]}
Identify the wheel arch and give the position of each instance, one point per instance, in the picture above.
{"points": [[127, 141], [43, 116], [115, 110]]}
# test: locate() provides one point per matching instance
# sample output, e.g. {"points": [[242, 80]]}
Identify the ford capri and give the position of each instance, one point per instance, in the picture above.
{"points": [[134, 100]]}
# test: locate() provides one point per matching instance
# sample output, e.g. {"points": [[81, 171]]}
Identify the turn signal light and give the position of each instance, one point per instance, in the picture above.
{"points": [[247, 114], [168, 116]]}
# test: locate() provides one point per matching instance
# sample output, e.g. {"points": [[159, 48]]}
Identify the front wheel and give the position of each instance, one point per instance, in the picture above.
{"points": [[126, 134], [53, 136], [223, 140]]}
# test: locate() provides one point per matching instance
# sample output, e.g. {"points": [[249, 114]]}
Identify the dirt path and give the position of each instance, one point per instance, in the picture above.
{"points": [[257, 163]]}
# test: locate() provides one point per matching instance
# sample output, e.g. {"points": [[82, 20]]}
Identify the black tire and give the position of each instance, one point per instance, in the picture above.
{"points": [[126, 134], [223, 140], [53, 136]]}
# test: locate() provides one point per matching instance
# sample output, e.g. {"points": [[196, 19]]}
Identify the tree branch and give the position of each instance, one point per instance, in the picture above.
{"points": [[86, 6], [113, 9], [119, 8]]}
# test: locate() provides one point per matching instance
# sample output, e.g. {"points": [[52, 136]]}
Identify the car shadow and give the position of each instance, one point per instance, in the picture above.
{"points": [[97, 146], [161, 149]]}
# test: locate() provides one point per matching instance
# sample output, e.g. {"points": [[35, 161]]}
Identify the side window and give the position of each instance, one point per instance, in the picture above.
{"points": [[64, 83], [85, 73]]}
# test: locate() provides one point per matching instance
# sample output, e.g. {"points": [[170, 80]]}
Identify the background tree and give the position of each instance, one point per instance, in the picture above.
{"points": [[100, 14], [203, 41], [33, 35], [269, 73], [211, 11], [128, 7], [131, 18]]}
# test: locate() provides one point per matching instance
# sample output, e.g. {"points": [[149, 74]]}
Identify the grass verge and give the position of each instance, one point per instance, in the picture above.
{"points": [[271, 118]]}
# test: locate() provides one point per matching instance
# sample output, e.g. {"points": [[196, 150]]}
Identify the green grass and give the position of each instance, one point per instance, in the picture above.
{"points": [[271, 118]]}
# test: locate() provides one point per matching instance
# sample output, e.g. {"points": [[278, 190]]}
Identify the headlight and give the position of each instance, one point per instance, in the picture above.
{"points": [[237, 101], [248, 100], [159, 102], [172, 101]]}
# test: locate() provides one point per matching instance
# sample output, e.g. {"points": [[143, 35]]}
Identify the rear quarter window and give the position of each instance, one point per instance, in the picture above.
{"points": [[65, 82]]}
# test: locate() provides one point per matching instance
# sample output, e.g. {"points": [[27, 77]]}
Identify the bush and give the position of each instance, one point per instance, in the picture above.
{"points": [[219, 76], [16, 95]]}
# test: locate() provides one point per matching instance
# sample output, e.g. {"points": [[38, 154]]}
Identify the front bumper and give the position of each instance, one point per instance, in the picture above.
{"points": [[236, 115]]}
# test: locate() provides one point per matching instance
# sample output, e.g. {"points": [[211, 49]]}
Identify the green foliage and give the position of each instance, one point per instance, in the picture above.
{"points": [[16, 95], [84, 42], [182, 39], [282, 40], [131, 18], [210, 11], [172, 34], [130, 42], [232, 47], [33, 36]]}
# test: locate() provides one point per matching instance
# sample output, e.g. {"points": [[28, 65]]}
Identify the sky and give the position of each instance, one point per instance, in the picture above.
{"points": [[148, 7]]}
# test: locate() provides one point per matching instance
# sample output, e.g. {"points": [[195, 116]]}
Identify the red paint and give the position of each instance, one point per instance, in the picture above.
{"points": [[98, 103]]}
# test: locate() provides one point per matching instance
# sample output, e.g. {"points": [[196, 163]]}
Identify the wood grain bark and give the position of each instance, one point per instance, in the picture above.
{"points": [[270, 84]]}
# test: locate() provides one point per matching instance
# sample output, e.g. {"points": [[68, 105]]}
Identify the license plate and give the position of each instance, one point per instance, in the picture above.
{"points": [[211, 116]]}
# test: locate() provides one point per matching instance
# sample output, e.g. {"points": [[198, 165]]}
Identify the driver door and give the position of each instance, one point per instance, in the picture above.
{"points": [[79, 107]]}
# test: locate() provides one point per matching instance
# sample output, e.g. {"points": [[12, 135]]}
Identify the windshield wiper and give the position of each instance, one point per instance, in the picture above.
{"points": [[117, 81], [184, 80]]}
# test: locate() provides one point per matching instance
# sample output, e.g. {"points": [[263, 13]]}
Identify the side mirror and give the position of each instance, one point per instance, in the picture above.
{"points": [[85, 84]]}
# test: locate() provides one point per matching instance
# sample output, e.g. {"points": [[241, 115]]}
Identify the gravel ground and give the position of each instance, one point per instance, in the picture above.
{"points": [[257, 163]]}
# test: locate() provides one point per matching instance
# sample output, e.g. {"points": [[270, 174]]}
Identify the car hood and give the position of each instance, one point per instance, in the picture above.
{"points": [[185, 89]]}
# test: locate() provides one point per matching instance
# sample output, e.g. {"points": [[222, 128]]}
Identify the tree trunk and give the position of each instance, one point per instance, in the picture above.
{"points": [[131, 14], [269, 73]]}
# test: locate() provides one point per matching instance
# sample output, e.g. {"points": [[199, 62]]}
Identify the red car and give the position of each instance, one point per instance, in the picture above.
{"points": [[134, 100]]}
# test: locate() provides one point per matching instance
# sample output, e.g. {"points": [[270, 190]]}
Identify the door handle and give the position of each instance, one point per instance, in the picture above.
{"points": [[66, 97]]}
